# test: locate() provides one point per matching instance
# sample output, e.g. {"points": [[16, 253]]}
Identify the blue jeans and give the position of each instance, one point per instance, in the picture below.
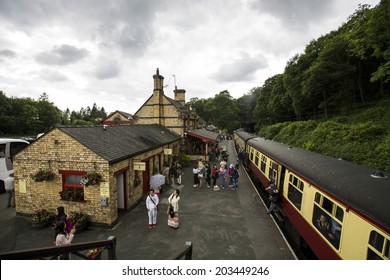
{"points": [[235, 183]]}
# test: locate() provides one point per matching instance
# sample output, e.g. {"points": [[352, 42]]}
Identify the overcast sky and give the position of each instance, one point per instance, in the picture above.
{"points": [[106, 52]]}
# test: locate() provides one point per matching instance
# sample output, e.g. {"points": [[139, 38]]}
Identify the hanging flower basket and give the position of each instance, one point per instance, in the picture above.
{"points": [[91, 179], [137, 181], [43, 175]]}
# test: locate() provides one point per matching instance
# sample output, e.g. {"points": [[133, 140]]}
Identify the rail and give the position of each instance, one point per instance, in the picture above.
{"points": [[186, 253], [53, 252]]}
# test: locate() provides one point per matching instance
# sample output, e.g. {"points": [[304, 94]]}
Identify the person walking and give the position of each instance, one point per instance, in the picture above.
{"points": [[195, 171], [214, 176], [223, 175], [207, 171], [63, 238], [174, 204], [235, 176], [10, 189], [179, 173], [61, 216], [172, 174], [152, 206]]}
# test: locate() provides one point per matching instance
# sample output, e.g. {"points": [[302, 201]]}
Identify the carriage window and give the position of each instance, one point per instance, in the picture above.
{"points": [[251, 155], [328, 226], [327, 205], [263, 163], [376, 240], [257, 159], [317, 198], [339, 214], [328, 218], [378, 247], [295, 190]]}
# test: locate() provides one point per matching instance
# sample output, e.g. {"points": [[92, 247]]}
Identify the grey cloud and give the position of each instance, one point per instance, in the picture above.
{"points": [[108, 23], [107, 71], [52, 76], [62, 55], [239, 70], [7, 53], [295, 14]]}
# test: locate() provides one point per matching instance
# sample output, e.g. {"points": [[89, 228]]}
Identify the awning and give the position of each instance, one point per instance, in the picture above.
{"points": [[204, 134]]}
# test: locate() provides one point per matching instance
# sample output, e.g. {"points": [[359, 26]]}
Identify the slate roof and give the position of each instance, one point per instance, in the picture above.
{"points": [[204, 134], [116, 143]]}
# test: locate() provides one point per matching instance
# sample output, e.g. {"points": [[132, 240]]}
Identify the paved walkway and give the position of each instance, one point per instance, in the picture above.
{"points": [[222, 225]]}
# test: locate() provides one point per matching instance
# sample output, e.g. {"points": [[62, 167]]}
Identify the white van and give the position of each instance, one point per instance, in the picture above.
{"points": [[8, 149]]}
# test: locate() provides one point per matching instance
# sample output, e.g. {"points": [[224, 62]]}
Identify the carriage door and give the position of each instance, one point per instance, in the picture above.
{"points": [[273, 172], [121, 191]]}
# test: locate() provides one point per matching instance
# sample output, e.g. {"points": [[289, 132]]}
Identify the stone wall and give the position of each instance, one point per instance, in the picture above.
{"points": [[57, 151]]}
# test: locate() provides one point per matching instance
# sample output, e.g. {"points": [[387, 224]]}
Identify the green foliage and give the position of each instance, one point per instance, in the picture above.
{"points": [[185, 160], [25, 116], [363, 137]]}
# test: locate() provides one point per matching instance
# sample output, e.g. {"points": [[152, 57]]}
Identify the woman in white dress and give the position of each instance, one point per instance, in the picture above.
{"points": [[173, 218]]}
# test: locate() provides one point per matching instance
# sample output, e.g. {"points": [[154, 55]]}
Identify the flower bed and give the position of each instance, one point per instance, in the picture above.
{"points": [[79, 220], [41, 219]]}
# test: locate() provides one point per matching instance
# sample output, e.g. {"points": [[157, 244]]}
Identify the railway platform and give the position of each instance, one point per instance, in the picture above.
{"points": [[222, 225]]}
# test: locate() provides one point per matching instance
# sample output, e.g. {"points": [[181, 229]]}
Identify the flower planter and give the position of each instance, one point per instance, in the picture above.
{"points": [[82, 227]]}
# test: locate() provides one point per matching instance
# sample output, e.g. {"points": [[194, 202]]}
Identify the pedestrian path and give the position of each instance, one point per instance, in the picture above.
{"points": [[223, 225]]}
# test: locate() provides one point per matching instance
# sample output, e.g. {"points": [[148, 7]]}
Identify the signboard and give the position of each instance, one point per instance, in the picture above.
{"points": [[167, 151], [139, 166], [104, 189], [22, 186]]}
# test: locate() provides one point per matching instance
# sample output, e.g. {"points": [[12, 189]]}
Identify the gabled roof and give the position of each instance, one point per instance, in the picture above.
{"points": [[126, 115], [204, 134], [116, 143]]}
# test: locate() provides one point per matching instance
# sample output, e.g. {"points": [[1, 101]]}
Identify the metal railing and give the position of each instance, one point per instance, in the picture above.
{"points": [[53, 252], [186, 253]]}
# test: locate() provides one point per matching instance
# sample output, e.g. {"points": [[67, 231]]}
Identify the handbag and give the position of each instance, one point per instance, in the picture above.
{"points": [[171, 211]]}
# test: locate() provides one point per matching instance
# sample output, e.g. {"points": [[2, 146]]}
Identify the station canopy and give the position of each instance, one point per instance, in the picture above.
{"points": [[204, 134]]}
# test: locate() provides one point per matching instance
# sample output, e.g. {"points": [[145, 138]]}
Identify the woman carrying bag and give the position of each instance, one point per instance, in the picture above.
{"points": [[173, 209]]}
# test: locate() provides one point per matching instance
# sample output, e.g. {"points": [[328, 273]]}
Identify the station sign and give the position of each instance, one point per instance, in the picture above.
{"points": [[141, 166]]}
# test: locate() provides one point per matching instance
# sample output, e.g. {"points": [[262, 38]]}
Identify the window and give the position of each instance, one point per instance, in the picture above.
{"points": [[295, 191], [251, 155], [378, 247], [263, 163], [257, 159], [16, 147], [71, 185], [327, 219]]}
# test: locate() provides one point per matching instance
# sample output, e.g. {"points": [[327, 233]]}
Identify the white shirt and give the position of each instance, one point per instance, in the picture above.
{"points": [[149, 203], [174, 201]]}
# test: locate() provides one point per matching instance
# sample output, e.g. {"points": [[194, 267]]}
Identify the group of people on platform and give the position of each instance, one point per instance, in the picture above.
{"points": [[204, 173]]}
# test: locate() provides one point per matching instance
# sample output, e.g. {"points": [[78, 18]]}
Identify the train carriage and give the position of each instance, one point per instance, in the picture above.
{"points": [[339, 209]]}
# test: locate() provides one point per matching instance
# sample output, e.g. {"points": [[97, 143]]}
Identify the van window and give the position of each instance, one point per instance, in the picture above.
{"points": [[16, 147], [2, 150]]}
